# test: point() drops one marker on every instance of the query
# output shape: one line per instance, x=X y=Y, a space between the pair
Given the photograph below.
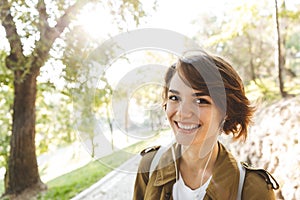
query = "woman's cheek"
x=170 y=109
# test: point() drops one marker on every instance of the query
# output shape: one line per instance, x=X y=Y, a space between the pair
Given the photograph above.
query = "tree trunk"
x=279 y=56
x=22 y=166
x=251 y=63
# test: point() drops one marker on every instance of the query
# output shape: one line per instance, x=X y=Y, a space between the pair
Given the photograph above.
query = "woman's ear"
x=165 y=106
x=223 y=122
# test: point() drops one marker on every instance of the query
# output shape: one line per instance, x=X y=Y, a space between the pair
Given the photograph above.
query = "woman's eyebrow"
x=197 y=94
x=174 y=91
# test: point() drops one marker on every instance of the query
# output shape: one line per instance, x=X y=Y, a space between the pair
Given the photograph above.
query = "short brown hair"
x=216 y=77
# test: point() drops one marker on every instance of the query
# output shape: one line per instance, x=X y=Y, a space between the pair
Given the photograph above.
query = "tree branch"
x=48 y=34
x=43 y=16
x=16 y=47
x=65 y=19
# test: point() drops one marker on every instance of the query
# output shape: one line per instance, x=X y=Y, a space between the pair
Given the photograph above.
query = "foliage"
x=262 y=90
x=6 y=101
x=34 y=21
x=52 y=107
x=88 y=91
x=244 y=33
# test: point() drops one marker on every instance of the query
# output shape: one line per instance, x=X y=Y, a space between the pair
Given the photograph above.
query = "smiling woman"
x=203 y=98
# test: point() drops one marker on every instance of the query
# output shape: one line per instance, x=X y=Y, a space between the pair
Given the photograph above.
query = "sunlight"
x=96 y=21
x=4 y=45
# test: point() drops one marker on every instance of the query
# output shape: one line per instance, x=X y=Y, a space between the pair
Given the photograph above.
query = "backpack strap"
x=149 y=149
x=156 y=159
x=161 y=150
x=270 y=180
x=241 y=181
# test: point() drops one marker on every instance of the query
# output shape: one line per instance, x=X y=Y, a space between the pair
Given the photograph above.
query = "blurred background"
x=52 y=41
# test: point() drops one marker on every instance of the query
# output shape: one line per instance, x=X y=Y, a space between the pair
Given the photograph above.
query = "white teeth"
x=188 y=127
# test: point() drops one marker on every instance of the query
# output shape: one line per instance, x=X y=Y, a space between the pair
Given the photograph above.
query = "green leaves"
x=245 y=33
x=6 y=102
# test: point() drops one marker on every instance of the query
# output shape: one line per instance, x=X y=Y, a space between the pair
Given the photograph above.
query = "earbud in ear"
x=165 y=106
x=222 y=123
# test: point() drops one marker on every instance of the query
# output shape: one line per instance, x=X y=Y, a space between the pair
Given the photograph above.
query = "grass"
x=71 y=184
x=68 y=185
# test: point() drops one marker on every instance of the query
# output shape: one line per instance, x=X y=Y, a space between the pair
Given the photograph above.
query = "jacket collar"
x=225 y=178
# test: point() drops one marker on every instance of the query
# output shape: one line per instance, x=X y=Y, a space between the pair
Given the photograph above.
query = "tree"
x=42 y=25
x=286 y=24
x=279 y=52
x=22 y=166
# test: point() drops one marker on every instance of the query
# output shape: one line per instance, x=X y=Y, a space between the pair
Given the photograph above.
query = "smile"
x=187 y=127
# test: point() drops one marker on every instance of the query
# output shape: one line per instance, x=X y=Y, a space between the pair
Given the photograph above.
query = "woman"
x=203 y=97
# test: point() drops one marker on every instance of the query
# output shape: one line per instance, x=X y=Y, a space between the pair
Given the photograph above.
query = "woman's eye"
x=173 y=98
x=202 y=101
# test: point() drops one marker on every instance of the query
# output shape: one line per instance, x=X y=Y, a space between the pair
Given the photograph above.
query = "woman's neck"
x=194 y=169
x=191 y=155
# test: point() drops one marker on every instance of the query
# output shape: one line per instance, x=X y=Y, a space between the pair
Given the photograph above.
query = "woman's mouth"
x=187 y=127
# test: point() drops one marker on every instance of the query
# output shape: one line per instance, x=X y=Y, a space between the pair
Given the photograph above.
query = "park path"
x=118 y=184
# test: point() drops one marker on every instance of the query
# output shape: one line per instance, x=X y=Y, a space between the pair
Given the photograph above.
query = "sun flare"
x=95 y=21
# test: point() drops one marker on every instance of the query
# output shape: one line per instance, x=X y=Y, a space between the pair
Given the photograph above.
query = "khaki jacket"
x=223 y=185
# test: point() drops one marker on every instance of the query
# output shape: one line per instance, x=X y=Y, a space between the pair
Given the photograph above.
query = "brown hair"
x=216 y=77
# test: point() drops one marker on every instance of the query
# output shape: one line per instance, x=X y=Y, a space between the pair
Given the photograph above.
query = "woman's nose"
x=186 y=109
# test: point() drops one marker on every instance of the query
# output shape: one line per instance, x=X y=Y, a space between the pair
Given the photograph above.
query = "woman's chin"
x=185 y=139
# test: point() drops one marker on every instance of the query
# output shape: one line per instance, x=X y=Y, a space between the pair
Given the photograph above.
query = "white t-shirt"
x=181 y=191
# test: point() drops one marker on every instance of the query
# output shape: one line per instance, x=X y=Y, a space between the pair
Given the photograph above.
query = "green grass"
x=71 y=184
x=68 y=185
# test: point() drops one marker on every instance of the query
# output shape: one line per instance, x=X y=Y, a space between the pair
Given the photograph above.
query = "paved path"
x=117 y=185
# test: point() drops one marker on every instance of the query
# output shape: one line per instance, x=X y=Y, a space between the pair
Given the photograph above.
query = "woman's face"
x=193 y=116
